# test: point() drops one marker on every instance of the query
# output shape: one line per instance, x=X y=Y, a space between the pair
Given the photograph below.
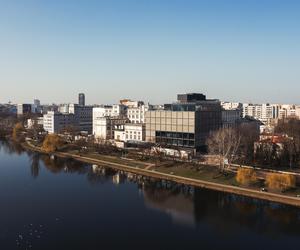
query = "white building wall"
x=263 y=112
x=137 y=114
x=55 y=122
x=135 y=132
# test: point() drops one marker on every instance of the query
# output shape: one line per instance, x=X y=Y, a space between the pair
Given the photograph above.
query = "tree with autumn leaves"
x=52 y=143
x=18 y=130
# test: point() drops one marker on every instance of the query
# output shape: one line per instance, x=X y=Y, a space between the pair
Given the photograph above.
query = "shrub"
x=280 y=182
x=246 y=176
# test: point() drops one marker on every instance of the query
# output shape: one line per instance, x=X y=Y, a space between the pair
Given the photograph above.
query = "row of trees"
x=237 y=145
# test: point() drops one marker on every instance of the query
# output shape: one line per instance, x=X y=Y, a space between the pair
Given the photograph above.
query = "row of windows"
x=167 y=134
x=170 y=121
x=136 y=116
x=133 y=137
x=175 y=142
x=135 y=111
x=133 y=132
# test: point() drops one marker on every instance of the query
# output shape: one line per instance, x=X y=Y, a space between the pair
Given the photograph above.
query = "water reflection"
x=226 y=213
x=9 y=147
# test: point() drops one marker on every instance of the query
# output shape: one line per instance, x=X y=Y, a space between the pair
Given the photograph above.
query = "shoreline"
x=271 y=197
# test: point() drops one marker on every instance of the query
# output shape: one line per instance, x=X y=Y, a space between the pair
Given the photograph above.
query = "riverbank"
x=141 y=168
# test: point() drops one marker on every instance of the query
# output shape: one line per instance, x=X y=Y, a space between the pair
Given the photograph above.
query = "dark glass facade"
x=175 y=138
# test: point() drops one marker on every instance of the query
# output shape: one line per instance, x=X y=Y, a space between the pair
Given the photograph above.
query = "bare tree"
x=225 y=143
x=291 y=150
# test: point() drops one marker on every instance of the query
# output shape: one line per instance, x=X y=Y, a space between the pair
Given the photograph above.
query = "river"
x=64 y=204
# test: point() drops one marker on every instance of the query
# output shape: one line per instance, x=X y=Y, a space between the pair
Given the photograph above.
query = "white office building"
x=54 y=122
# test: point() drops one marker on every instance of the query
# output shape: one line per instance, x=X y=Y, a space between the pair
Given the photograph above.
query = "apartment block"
x=263 y=112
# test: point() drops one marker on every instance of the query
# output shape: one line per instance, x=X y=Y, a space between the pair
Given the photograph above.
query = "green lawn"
x=205 y=173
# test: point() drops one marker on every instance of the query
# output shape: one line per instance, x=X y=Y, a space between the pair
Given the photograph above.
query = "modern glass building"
x=184 y=124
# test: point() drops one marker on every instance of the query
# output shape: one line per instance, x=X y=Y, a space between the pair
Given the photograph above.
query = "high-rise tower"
x=81 y=99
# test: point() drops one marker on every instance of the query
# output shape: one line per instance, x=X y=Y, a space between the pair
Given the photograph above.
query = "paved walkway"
x=183 y=180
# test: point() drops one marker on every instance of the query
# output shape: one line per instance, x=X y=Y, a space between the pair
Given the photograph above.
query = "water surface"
x=64 y=204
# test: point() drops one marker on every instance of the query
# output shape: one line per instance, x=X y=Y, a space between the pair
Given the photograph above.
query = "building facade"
x=135 y=132
x=23 y=109
x=137 y=114
x=184 y=124
x=54 y=122
x=81 y=99
x=263 y=112
x=83 y=117
x=104 y=127
x=231 y=117
x=232 y=105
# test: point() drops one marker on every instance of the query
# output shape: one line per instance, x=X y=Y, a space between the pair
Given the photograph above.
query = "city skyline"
x=233 y=51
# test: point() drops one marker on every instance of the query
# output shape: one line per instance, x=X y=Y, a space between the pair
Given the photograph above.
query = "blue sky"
x=149 y=49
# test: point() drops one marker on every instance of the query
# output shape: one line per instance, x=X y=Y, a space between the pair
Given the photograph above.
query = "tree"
x=35 y=131
x=291 y=128
x=291 y=151
x=246 y=176
x=81 y=143
x=225 y=143
x=52 y=143
x=17 y=132
x=249 y=133
x=280 y=182
x=70 y=130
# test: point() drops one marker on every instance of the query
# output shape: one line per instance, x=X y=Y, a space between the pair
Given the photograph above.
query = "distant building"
x=115 y=110
x=39 y=121
x=190 y=97
x=54 y=122
x=263 y=112
x=64 y=108
x=104 y=127
x=137 y=114
x=231 y=117
x=36 y=107
x=131 y=104
x=232 y=105
x=186 y=123
x=297 y=111
x=83 y=117
x=81 y=99
x=288 y=111
x=46 y=108
x=23 y=109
